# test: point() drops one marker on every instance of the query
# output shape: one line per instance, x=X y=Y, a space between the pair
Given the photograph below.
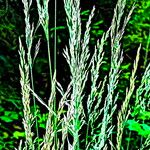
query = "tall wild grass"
x=79 y=121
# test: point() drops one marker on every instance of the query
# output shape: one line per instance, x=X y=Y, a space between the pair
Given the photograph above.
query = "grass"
x=76 y=112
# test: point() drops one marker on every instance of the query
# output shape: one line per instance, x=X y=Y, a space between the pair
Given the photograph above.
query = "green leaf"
x=95 y=27
x=58 y=28
x=145 y=115
x=141 y=129
x=146 y=130
x=98 y=23
x=2 y=109
x=18 y=134
x=133 y=125
x=126 y=66
x=5 y=135
x=146 y=127
x=85 y=13
x=129 y=139
x=9 y=116
x=6 y=118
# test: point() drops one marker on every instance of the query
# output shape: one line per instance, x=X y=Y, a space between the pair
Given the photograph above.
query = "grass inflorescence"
x=79 y=121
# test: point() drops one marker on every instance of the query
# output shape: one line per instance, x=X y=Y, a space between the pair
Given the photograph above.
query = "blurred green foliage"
x=141 y=129
x=139 y=25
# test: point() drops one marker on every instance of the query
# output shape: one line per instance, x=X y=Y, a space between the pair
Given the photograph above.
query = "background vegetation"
x=12 y=26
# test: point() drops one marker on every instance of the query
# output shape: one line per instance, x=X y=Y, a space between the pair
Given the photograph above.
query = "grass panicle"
x=123 y=114
x=25 y=83
x=94 y=112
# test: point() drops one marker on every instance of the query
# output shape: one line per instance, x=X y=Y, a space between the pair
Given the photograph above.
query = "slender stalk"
x=55 y=54
x=35 y=108
x=49 y=60
x=128 y=144
x=147 y=50
x=141 y=140
x=55 y=35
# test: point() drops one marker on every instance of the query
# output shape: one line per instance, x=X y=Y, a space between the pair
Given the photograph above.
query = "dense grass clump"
x=94 y=119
